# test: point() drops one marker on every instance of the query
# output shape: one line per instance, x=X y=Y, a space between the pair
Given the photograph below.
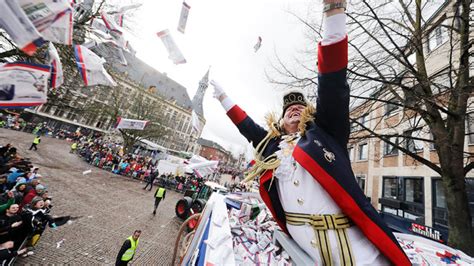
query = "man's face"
x=136 y=235
x=292 y=116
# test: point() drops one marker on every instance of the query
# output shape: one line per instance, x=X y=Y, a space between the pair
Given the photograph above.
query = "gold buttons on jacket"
x=300 y=201
x=296 y=182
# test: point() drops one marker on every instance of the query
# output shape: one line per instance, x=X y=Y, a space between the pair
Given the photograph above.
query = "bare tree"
x=114 y=102
x=396 y=48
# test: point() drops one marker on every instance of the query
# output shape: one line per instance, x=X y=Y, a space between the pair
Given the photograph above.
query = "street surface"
x=111 y=207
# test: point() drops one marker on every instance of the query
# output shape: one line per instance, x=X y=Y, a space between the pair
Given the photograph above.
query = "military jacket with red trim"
x=329 y=132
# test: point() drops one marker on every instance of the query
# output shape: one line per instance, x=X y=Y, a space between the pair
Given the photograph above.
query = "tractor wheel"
x=198 y=205
x=193 y=224
x=182 y=207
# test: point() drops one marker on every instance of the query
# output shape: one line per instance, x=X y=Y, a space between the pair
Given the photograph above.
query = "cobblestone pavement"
x=111 y=207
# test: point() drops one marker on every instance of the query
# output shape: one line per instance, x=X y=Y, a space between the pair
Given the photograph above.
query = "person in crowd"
x=38 y=191
x=73 y=147
x=128 y=249
x=160 y=194
x=151 y=179
x=11 y=226
x=19 y=192
x=36 y=218
x=7 y=252
x=36 y=142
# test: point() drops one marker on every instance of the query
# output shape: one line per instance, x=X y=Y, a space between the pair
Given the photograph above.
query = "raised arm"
x=332 y=107
x=253 y=132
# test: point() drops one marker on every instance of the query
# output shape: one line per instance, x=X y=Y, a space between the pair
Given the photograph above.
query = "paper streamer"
x=183 y=18
x=174 y=54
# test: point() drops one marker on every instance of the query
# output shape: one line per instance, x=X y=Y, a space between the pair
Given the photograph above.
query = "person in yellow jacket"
x=35 y=143
x=159 y=195
x=73 y=147
x=128 y=249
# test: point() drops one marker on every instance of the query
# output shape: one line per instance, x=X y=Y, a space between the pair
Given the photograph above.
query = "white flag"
x=91 y=67
x=57 y=77
x=21 y=30
x=110 y=23
x=61 y=30
x=197 y=127
x=129 y=7
x=183 y=18
x=125 y=123
x=45 y=12
x=23 y=84
x=173 y=51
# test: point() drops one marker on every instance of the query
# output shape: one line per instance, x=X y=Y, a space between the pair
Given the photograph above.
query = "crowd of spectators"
x=110 y=156
x=41 y=129
x=25 y=205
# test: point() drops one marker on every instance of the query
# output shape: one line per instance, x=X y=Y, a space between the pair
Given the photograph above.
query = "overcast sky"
x=222 y=34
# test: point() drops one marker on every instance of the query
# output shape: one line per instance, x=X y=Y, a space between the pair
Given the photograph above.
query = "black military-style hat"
x=292 y=98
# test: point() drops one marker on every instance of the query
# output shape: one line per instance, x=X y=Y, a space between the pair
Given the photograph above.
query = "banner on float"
x=183 y=18
x=174 y=54
x=57 y=77
x=124 y=123
x=23 y=84
x=91 y=67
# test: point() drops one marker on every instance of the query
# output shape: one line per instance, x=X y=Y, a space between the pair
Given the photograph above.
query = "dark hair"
x=138 y=231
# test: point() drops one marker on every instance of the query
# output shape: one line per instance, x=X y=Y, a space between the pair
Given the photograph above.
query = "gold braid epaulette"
x=272 y=162
x=264 y=164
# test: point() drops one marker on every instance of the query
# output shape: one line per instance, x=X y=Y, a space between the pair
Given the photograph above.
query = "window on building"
x=364 y=120
x=350 y=151
x=470 y=127
x=389 y=149
x=390 y=187
x=363 y=151
x=440 y=212
x=437 y=37
x=411 y=144
x=361 y=181
x=408 y=195
x=414 y=190
x=354 y=127
x=46 y=109
x=391 y=107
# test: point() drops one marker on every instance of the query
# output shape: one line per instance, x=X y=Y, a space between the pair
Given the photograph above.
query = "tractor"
x=193 y=202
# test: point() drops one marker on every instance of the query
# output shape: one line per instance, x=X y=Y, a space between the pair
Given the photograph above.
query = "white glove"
x=218 y=91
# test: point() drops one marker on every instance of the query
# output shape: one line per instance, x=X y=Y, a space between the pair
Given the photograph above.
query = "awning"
x=149 y=145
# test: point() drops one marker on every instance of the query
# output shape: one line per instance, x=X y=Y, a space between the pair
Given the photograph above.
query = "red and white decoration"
x=91 y=67
x=23 y=84
x=57 y=77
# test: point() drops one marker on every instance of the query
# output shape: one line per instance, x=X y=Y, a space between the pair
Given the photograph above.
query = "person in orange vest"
x=128 y=249
x=159 y=195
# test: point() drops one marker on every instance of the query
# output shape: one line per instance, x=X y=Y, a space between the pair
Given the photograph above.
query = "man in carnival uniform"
x=305 y=173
